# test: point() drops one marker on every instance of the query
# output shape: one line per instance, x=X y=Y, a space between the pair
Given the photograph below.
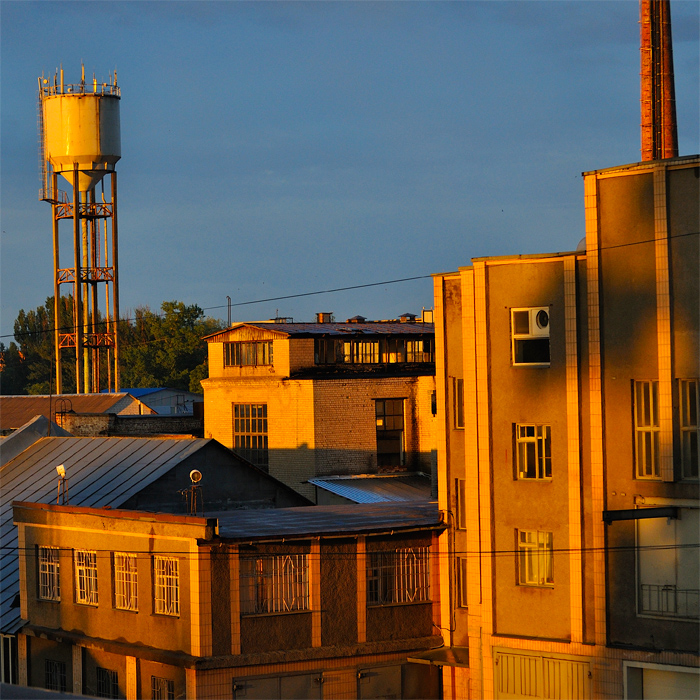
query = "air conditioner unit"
x=539 y=322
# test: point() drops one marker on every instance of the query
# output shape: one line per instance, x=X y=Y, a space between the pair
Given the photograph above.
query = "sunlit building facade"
x=567 y=388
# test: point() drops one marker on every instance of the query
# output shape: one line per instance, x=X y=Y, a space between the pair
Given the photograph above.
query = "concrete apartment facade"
x=303 y=400
x=311 y=602
x=567 y=387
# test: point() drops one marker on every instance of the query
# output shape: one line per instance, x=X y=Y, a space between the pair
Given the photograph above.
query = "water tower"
x=80 y=140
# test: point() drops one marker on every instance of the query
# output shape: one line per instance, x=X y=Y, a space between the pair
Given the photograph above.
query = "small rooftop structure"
x=373 y=488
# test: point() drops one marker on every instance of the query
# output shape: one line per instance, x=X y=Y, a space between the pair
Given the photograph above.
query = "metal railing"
x=669 y=601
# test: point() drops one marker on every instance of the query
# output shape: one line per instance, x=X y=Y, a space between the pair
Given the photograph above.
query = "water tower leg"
x=115 y=282
x=56 y=293
x=77 y=290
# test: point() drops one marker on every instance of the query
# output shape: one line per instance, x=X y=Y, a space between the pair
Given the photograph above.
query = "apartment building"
x=302 y=602
x=567 y=388
x=304 y=400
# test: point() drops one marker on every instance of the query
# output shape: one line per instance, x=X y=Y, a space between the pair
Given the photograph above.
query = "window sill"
x=546 y=586
x=275 y=614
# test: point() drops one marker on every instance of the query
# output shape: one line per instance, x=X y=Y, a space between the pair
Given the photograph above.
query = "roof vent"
x=427 y=316
x=357 y=319
x=407 y=318
x=324 y=317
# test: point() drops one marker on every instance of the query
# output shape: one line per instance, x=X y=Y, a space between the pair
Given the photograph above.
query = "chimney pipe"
x=658 y=96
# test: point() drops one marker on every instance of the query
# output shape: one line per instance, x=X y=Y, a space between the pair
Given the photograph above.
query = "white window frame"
x=166 y=586
x=125 y=581
x=533 y=442
x=398 y=576
x=274 y=584
x=538 y=329
x=535 y=558
x=49 y=573
x=689 y=408
x=85 y=561
x=647 y=430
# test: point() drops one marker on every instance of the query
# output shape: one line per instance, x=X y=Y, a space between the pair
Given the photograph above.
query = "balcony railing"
x=669 y=601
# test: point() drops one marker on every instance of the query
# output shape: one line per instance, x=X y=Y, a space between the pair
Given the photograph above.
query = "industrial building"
x=568 y=389
x=326 y=601
x=307 y=400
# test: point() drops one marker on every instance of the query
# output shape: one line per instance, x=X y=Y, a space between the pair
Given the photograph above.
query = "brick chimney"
x=658 y=95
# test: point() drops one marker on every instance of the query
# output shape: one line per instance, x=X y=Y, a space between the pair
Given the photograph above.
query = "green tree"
x=166 y=349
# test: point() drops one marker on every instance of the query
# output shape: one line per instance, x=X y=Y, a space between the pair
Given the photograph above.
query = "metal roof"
x=100 y=471
x=335 y=329
x=15 y=411
x=326 y=520
x=377 y=488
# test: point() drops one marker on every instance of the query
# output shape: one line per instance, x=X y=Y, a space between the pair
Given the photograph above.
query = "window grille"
x=250 y=432
x=49 y=569
x=275 y=584
x=533 y=451
x=690 y=431
x=646 y=425
x=125 y=581
x=162 y=688
x=55 y=675
x=107 y=683
x=400 y=576
x=166 y=589
x=85 y=577
x=535 y=558
x=250 y=354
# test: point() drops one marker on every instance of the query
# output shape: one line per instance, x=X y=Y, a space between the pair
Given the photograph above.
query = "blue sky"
x=272 y=149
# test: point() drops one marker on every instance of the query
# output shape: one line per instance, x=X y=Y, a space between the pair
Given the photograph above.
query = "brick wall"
x=111 y=425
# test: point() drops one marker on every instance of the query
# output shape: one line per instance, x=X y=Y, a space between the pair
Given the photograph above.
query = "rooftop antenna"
x=62 y=493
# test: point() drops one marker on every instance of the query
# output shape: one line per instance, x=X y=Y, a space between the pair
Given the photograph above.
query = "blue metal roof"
x=377 y=488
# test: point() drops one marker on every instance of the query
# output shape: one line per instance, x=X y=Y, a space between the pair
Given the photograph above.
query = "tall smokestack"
x=658 y=98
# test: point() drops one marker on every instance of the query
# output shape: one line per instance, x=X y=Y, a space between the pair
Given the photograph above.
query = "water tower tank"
x=83 y=128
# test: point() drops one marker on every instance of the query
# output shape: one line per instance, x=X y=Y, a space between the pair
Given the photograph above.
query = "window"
x=107 y=683
x=400 y=576
x=668 y=564
x=458 y=402
x=250 y=432
x=361 y=351
x=646 y=428
x=125 y=581
x=530 y=336
x=166 y=585
x=85 y=577
x=248 y=354
x=533 y=451
x=389 y=420
x=327 y=351
x=55 y=675
x=462 y=582
x=162 y=688
x=460 y=504
x=535 y=558
x=689 y=427
x=419 y=350
x=49 y=582
x=275 y=584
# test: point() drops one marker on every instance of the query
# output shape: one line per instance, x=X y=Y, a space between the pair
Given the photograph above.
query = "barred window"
x=534 y=451
x=107 y=683
x=250 y=432
x=55 y=675
x=162 y=688
x=535 y=558
x=400 y=576
x=49 y=569
x=85 y=577
x=125 y=581
x=166 y=585
x=275 y=584
x=646 y=428
x=250 y=354
x=690 y=429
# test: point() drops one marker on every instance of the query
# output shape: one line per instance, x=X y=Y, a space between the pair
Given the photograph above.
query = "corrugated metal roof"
x=100 y=471
x=377 y=488
x=326 y=520
x=336 y=329
x=15 y=411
